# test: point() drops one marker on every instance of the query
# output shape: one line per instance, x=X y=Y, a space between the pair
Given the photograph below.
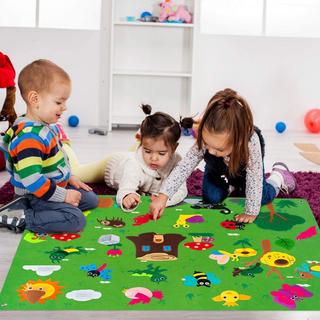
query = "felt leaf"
x=310 y=232
x=285 y=243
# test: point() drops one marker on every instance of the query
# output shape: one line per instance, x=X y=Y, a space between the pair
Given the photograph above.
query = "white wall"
x=278 y=76
x=78 y=52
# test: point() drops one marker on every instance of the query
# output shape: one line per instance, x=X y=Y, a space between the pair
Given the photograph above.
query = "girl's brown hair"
x=227 y=112
x=160 y=125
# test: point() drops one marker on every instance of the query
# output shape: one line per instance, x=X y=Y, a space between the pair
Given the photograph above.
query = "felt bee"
x=309 y=271
x=200 y=279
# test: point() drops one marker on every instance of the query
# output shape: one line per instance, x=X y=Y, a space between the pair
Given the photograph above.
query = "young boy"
x=52 y=200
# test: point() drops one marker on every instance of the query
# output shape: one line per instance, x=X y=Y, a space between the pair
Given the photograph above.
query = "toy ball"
x=312 y=120
x=73 y=121
x=145 y=14
x=280 y=127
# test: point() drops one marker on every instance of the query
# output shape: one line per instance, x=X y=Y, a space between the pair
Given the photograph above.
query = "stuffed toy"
x=174 y=13
x=7 y=75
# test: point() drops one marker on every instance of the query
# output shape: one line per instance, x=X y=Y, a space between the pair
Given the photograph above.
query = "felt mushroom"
x=198 y=244
x=65 y=236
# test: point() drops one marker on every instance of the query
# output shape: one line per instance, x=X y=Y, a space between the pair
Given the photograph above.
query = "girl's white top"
x=128 y=173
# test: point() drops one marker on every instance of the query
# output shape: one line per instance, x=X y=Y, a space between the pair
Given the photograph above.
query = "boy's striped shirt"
x=36 y=160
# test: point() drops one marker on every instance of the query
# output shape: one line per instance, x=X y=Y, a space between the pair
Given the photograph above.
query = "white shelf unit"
x=149 y=63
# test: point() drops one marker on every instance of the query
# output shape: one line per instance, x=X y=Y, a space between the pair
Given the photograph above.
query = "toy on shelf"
x=312 y=120
x=146 y=16
x=174 y=13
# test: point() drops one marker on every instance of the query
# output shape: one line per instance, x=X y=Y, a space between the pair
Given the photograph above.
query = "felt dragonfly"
x=93 y=271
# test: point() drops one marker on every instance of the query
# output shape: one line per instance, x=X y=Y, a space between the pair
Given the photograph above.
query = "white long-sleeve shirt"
x=128 y=173
x=254 y=174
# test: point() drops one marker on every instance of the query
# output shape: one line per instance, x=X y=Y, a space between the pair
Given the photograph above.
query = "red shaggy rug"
x=308 y=187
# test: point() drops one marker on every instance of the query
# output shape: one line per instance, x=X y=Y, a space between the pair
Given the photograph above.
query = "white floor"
x=279 y=147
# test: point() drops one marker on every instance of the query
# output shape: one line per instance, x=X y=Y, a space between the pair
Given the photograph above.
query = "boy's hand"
x=73 y=197
x=76 y=183
x=158 y=205
x=246 y=218
x=130 y=201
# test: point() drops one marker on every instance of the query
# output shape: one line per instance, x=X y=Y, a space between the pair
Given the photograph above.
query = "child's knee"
x=91 y=201
x=213 y=194
x=78 y=222
x=212 y=198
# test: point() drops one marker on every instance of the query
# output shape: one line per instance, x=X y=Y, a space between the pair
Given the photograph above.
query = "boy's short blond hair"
x=39 y=75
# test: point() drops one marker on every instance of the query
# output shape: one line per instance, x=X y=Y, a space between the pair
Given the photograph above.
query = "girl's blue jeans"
x=215 y=194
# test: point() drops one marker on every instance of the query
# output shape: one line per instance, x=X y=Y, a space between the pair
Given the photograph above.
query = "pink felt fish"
x=310 y=232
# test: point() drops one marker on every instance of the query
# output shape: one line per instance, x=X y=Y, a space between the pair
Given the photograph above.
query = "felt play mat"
x=195 y=257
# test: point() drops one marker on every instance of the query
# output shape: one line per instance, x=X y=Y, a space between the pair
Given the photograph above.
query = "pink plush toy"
x=172 y=12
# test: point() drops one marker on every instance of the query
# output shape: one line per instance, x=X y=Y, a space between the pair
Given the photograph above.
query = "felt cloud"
x=42 y=270
x=83 y=295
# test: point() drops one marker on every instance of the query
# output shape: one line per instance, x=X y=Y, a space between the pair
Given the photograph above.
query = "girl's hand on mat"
x=158 y=204
x=246 y=218
x=78 y=184
x=130 y=201
x=73 y=197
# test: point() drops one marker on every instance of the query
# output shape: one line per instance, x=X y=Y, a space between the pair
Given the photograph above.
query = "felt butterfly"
x=288 y=295
x=222 y=257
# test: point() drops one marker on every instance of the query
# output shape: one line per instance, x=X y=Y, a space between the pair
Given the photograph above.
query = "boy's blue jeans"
x=57 y=217
x=214 y=194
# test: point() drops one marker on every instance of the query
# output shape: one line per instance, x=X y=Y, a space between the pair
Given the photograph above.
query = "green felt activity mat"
x=194 y=257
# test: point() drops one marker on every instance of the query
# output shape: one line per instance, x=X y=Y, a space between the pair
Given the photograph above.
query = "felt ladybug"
x=232 y=225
